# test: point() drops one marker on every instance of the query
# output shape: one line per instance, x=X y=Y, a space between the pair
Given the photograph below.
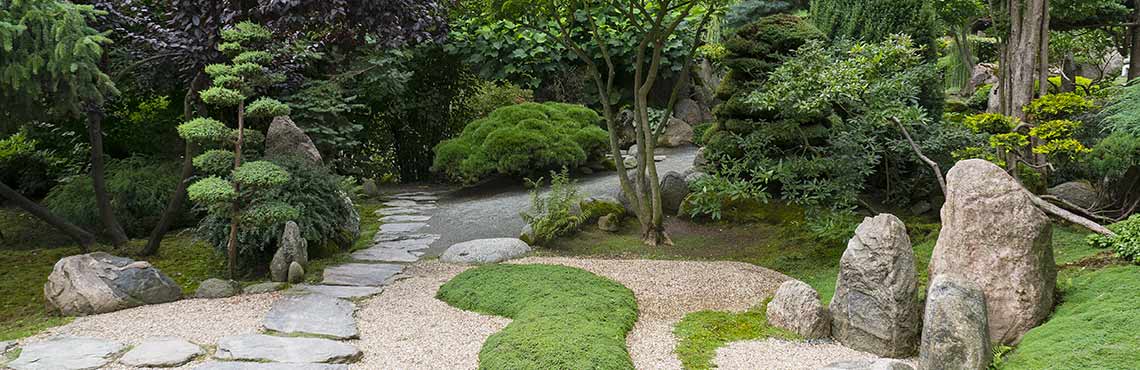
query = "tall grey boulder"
x=291 y=247
x=796 y=307
x=286 y=139
x=994 y=234
x=674 y=189
x=955 y=334
x=875 y=308
x=98 y=282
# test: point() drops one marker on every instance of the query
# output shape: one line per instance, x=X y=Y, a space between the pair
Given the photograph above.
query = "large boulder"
x=994 y=234
x=954 y=334
x=291 y=247
x=674 y=189
x=875 y=308
x=485 y=251
x=796 y=307
x=67 y=353
x=677 y=133
x=285 y=139
x=692 y=112
x=1079 y=193
x=98 y=282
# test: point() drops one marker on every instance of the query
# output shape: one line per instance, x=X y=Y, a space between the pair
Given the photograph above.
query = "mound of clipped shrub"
x=522 y=140
x=139 y=187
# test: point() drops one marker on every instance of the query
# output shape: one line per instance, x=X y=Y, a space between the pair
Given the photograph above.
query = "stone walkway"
x=306 y=329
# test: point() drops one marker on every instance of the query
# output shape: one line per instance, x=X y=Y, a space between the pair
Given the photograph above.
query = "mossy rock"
x=596 y=207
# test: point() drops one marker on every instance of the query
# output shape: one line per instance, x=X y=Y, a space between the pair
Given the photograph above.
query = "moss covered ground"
x=564 y=317
x=701 y=333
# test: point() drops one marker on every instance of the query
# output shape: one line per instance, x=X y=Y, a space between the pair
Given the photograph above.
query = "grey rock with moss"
x=296 y=273
x=875 y=308
x=610 y=223
x=291 y=247
x=162 y=352
x=796 y=307
x=955 y=335
x=98 y=282
x=481 y=251
x=67 y=353
x=218 y=288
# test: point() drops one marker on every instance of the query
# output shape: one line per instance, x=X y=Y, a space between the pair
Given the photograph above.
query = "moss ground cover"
x=701 y=333
x=564 y=317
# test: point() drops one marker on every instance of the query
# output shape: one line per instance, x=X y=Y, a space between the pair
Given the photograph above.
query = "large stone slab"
x=402 y=228
x=339 y=291
x=405 y=240
x=361 y=274
x=314 y=314
x=161 y=352
x=485 y=251
x=98 y=282
x=67 y=353
x=393 y=211
x=416 y=197
x=994 y=234
x=955 y=334
x=268 y=348
x=404 y=218
x=402 y=203
x=382 y=254
x=875 y=308
x=263 y=366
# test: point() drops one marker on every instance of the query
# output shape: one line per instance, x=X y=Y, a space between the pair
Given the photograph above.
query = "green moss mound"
x=564 y=317
x=1095 y=327
x=522 y=140
x=701 y=333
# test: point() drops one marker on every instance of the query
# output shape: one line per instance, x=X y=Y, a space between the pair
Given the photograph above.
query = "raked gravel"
x=775 y=354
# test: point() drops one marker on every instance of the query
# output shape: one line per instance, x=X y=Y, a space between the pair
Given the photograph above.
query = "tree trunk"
x=1134 y=36
x=99 y=183
x=174 y=205
x=85 y=239
x=1021 y=57
x=231 y=243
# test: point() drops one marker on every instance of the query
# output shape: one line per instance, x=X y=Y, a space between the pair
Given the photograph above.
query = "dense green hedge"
x=522 y=140
x=139 y=190
x=564 y=317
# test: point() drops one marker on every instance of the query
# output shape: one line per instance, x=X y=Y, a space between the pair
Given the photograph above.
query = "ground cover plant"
x=701 y=333
x=564 y=317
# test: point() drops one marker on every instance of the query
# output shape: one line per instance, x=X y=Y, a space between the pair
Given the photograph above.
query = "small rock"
x=659 y=158
x=610 y=223
x=98 y=282
x=263 y=288
x=361 y=274
x=877 y=364
x=629 y=162
x=314 y=314
x=296 y=273
x=699 y=161
x=267 y=348
x=218 y=288
x=368 y=186
x=585 y=170
x=66 y=353
x=674 y=189
x=527 y=235
x=291 y=247
x=162 y=352
x=920 y=208
x=955 y=334
x=485 y=251
x=796 y=307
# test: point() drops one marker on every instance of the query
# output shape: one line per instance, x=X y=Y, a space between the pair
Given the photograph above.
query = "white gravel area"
x=407 y=328
x=776 y=354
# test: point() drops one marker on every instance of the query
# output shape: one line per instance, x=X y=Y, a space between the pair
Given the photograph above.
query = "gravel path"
x=775 y=354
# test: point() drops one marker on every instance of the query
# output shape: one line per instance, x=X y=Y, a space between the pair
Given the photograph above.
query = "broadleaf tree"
x=655 y=21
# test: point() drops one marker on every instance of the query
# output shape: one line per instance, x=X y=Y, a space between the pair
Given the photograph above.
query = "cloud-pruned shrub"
x=522 y=140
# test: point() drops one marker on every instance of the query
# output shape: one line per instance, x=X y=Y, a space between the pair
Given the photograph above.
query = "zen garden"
x=570 y=184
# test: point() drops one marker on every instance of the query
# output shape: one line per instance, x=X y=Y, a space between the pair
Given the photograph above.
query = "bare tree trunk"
x=231 y=243
x=98 y=181
x=85 y=239
x=174 y=205
x=1043 y=57
x=1021 y=57
x=1134 y=36
x=966 y=54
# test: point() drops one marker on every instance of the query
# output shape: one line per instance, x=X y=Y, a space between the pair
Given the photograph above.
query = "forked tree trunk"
x=231 y=242
x=1134 y=54
x=85 y=239
x=98 y=181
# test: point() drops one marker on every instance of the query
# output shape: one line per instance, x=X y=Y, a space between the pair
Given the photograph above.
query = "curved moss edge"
x=701 y=333
x=564 y=317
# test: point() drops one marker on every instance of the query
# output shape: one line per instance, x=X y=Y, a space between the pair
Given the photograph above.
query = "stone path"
x=309 y=328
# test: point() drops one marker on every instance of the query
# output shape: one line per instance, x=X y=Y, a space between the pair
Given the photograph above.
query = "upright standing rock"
x=291 y=247
x=875 y=308
x=286 y=139
x=674 y=189
x=955 y=335
x=994 y=234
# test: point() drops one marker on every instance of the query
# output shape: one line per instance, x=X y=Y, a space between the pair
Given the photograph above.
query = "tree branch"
x=933 y=165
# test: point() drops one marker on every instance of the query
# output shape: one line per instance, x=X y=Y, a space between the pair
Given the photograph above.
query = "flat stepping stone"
x=382 y=254
x=407 y=245
x=338 y=291
x=416 y=198
x=404 y=203
x=426 y=238
x=361 y=274
x=404 y=218
x=268 y=348
x=485 y=251
x=314 y=314
x=67 y=353
x=162 y=352
x=402 y=228
x=261 y=366
x=397 y=211
x=7 y=345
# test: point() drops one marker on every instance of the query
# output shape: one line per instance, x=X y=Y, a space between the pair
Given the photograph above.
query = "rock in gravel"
x=361 y=274
x=264 y=366
x=994 y=234
x=346 y=292
x=291 y=247
x=485 y=251
x=161 y=352
x=796 y=307
x=878 y=364
x=98 y=282
x=610 y=223
x=218 y=288
x=875 y=308
x=296 y=273
x=314 y=314
x=674 y=189
x=1079 y=193
x=263 y=288
x=65 y=353
x=285 y=139
x=268 y=348
x=404 y=218
x=955 y=334
x=382 y=254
